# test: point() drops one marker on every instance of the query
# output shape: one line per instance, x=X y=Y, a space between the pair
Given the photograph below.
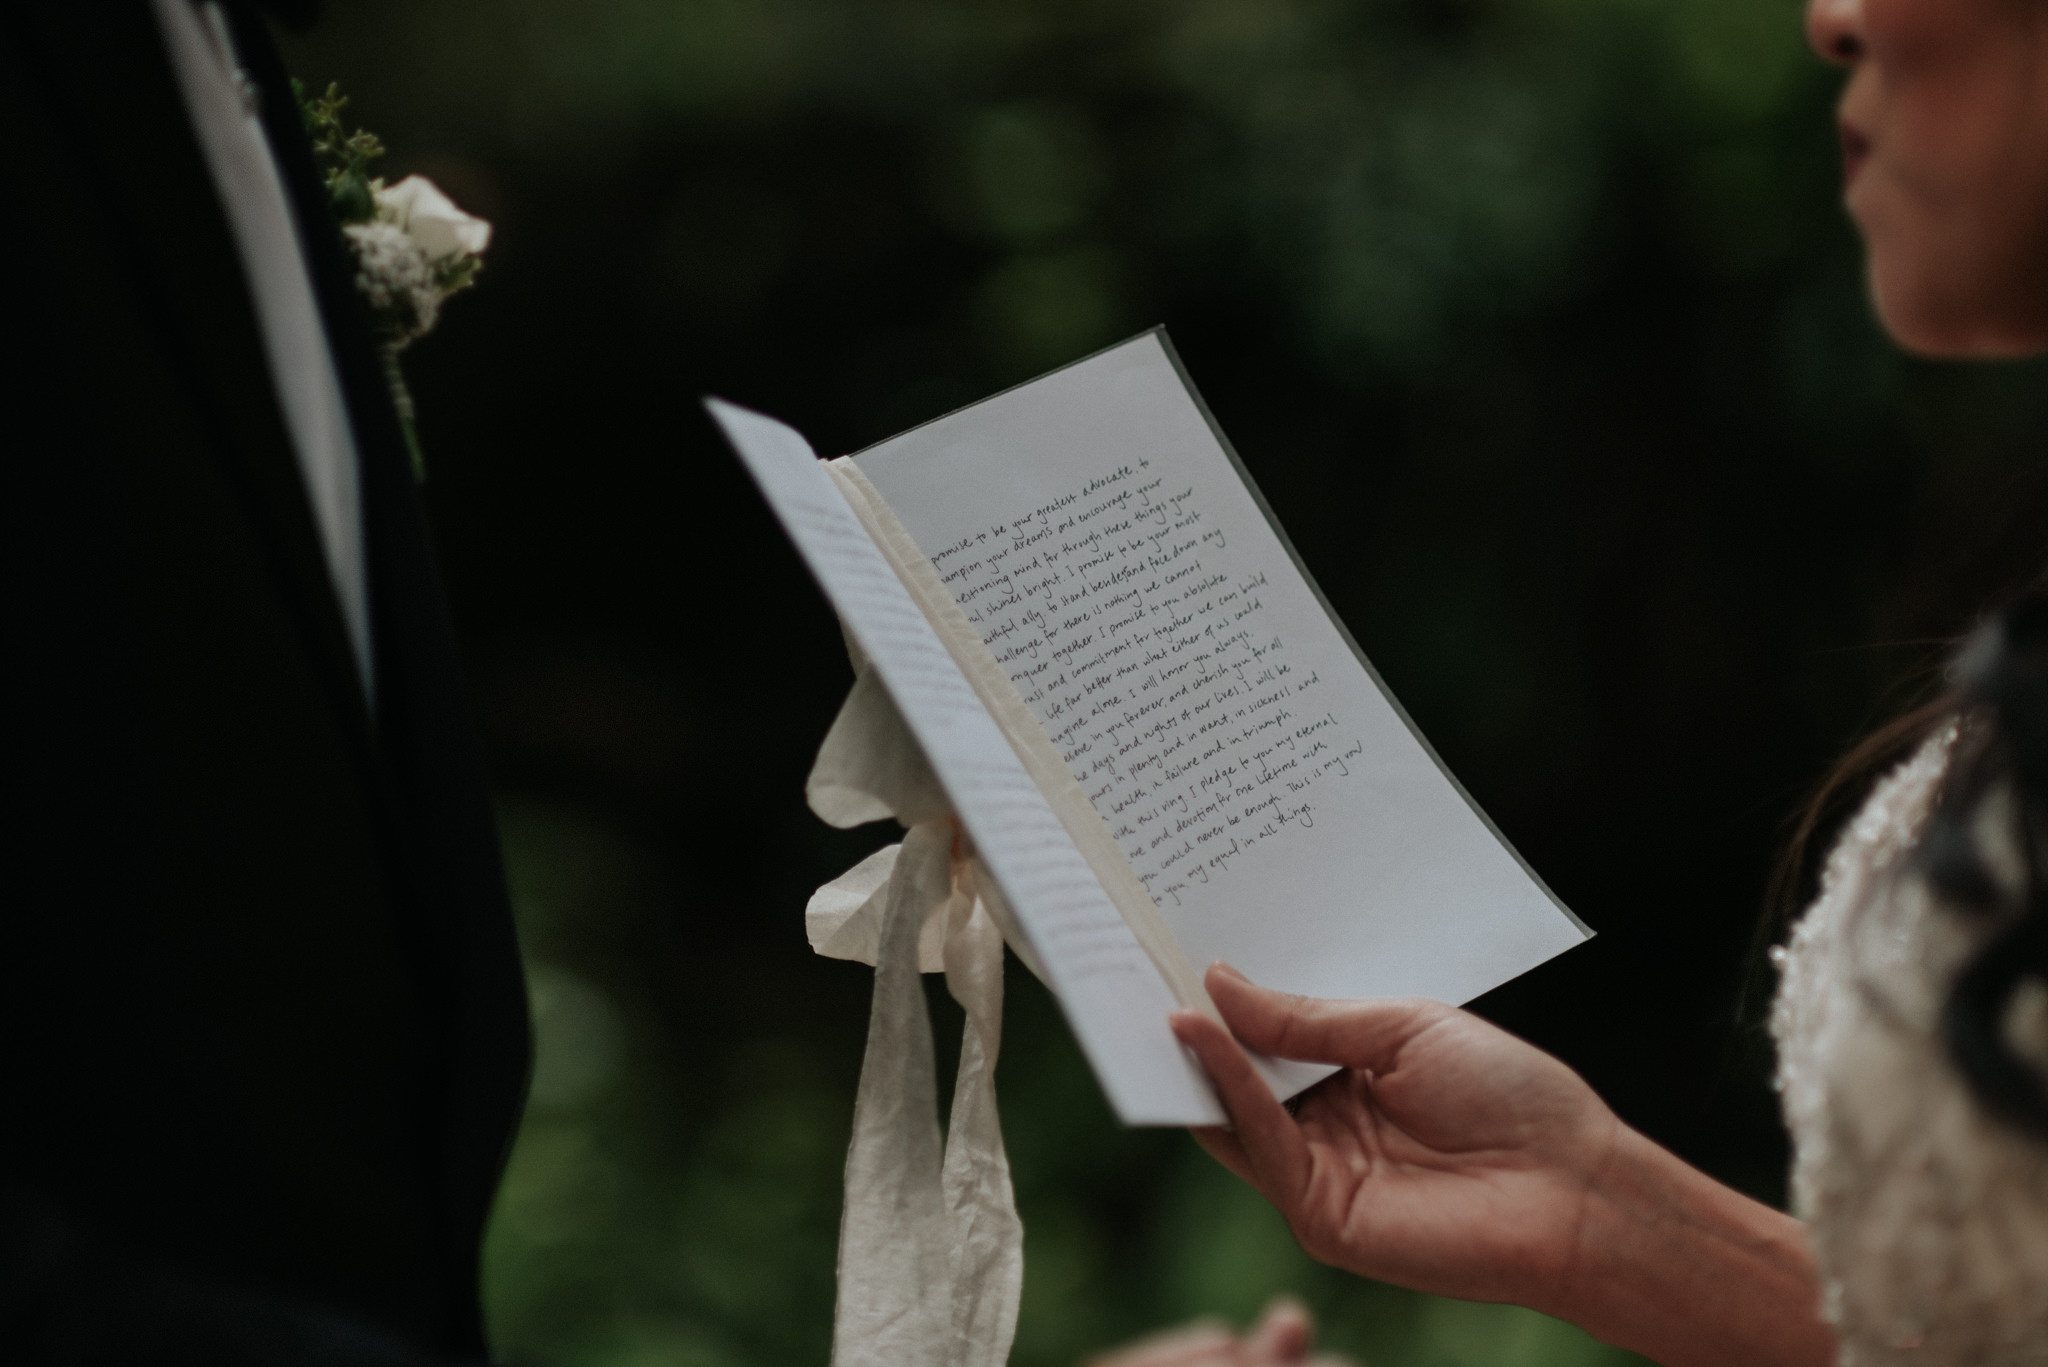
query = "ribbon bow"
x=931 y=1252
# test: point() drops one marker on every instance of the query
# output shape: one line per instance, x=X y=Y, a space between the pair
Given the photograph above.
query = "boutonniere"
x=413 y=248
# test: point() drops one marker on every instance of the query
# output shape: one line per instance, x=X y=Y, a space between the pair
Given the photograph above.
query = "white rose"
x=419 y=209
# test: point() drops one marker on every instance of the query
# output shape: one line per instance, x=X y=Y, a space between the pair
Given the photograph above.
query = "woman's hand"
x=1450 y=1157
x=1284 y=1337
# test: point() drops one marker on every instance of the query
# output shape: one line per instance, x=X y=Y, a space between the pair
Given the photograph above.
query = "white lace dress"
x=1929 y=1217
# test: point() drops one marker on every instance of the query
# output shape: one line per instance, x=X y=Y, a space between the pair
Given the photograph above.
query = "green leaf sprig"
x=344 y=155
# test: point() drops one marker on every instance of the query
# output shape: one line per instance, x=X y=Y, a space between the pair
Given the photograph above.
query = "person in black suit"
x=262 y=1006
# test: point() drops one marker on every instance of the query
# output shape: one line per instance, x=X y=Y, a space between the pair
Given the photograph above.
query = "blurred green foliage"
x=1540 y=326
x=1405 y=174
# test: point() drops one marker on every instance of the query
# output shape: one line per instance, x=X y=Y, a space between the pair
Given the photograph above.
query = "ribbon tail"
x=987 y=1238
x=895 y=1284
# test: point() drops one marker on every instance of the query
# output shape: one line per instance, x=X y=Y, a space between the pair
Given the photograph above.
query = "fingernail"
x=1221 y=967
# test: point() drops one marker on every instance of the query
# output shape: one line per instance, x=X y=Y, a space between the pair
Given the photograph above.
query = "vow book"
x=1165 y=747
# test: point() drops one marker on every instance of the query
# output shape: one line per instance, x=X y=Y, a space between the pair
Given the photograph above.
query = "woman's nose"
x=1835 y=29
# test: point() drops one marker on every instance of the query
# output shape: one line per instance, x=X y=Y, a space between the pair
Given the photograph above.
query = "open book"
x=1164 y=745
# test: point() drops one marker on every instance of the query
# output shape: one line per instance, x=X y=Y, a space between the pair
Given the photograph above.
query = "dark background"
x=1539 y=324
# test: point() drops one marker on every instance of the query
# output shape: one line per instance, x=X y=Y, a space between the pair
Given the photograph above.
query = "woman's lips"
x=1855 y=151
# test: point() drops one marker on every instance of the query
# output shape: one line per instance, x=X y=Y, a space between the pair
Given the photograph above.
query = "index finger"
x=1367 y=1036
x=1267 y=1135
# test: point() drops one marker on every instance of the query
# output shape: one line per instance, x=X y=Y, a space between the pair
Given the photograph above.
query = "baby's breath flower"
x=396 y=280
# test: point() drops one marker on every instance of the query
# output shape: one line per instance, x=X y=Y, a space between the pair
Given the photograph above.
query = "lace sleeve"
x=1929 y=1217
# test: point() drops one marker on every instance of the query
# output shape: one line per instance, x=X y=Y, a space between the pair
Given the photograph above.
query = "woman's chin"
x=1939 y=320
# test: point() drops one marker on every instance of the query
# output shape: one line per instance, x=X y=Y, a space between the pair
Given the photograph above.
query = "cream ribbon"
x=931 y=1252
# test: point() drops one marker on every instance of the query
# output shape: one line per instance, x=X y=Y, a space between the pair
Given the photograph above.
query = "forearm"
x=1690 y=1273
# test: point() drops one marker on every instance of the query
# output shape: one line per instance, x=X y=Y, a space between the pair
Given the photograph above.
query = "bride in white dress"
x=1912 y=1018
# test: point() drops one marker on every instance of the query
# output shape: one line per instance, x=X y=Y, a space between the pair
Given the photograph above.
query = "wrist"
x=1688 y=1272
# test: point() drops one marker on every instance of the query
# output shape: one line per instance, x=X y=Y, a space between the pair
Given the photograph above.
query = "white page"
x=1267 y=790
x=1114 y=998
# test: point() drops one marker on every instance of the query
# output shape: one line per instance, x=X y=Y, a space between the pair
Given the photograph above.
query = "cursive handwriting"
x=1137 y=638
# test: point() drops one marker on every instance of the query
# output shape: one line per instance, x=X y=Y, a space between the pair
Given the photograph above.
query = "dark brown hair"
x=2002 y=686
x=1846 y=783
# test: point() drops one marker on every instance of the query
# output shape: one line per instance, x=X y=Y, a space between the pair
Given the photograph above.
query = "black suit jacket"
x=259 y=997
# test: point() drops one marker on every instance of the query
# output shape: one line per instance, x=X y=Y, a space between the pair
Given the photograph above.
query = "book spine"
x=1012 y=715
